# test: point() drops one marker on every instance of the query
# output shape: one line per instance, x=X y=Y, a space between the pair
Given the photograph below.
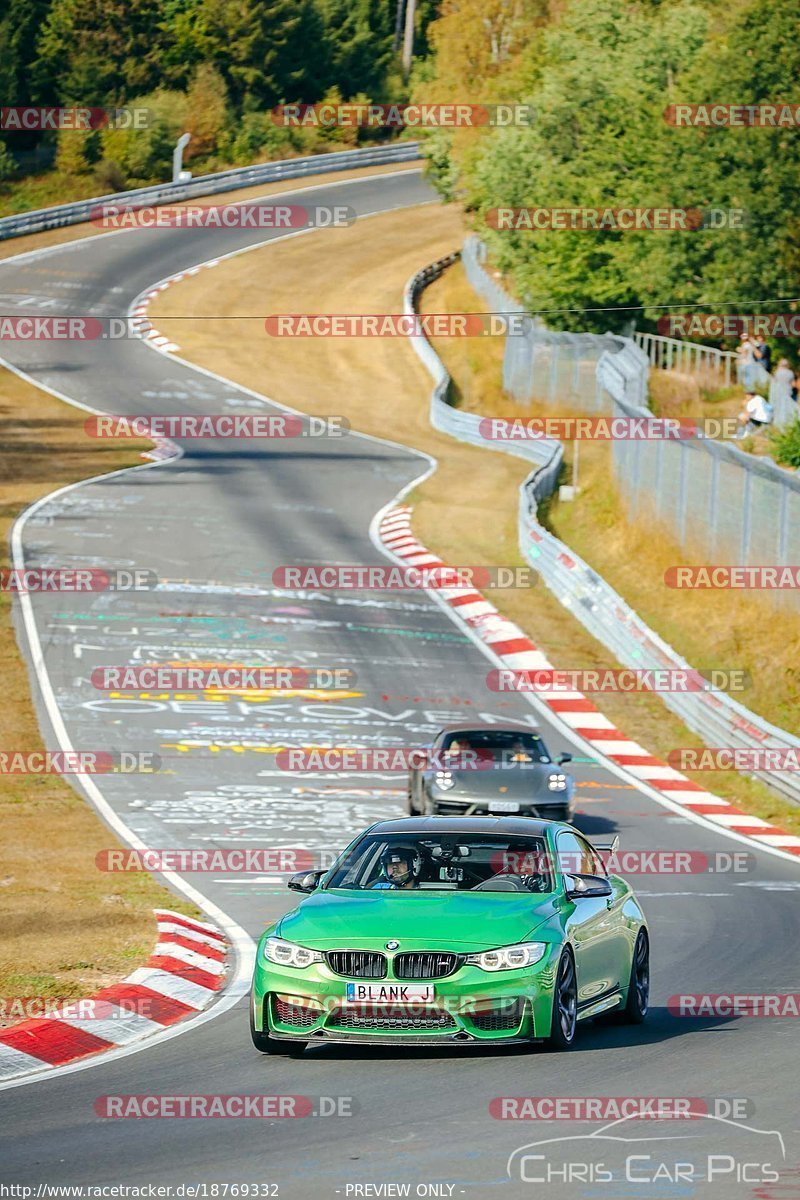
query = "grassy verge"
x=467 y=510
x=67 y=928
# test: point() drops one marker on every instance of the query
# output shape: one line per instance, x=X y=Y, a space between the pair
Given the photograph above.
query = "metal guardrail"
x=80 y=211
x=672 y=354
x=715 y=717
x=465 y=426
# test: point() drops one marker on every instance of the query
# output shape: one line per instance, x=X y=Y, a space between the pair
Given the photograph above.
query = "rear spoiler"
x=609 y=848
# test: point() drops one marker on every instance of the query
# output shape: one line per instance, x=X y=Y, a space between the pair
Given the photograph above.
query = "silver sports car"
x=481 y=769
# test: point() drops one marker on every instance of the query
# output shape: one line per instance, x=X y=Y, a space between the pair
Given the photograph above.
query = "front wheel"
x=270 y=1045
x=638 y=1000
x=565 y=1004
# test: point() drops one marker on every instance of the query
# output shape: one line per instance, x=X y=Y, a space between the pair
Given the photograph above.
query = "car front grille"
x=426 y=965
x=300 y=1016
x=357 y=964
x=376 y=1019
x=507 y=1016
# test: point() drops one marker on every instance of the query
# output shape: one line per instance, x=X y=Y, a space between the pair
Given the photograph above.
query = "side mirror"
x=305 y=881
x=564 y=758
x=587 y=885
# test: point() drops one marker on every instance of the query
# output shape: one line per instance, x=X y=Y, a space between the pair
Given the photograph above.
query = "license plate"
x=503 y=806
x=388 y=993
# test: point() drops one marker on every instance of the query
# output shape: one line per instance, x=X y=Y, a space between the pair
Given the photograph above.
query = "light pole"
x=178 y=174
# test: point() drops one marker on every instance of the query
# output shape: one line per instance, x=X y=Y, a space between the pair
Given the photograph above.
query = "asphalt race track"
x=213 y=525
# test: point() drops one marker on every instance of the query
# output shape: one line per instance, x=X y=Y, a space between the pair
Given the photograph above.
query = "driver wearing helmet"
x=400 y=868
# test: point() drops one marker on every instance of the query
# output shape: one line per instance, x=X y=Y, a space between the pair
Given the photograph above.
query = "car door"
x=619 y=937
x=594 y=925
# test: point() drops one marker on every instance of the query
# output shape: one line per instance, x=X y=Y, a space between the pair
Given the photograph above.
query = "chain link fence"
x=718 y=719
x=720 y=503
x=539 y=364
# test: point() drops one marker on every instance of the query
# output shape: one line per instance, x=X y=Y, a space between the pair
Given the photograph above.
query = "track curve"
x=213 y=526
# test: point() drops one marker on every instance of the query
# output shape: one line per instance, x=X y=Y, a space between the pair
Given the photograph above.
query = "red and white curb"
x=163 y=449
x=138 y=311
x=180 y=979
x=508 y=642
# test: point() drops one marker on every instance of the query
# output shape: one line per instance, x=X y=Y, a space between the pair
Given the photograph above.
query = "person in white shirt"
x=757 y=413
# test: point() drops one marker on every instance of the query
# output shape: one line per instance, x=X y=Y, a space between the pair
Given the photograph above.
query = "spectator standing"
x=782 y=393
x=763 y=356
x=746 y=361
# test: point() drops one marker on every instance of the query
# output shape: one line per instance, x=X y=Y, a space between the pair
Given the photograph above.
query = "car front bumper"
x=469 y=1007
x=553 y=807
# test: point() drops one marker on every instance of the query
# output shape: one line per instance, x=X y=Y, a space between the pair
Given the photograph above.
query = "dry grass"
x=67 y=928
x=467 y=511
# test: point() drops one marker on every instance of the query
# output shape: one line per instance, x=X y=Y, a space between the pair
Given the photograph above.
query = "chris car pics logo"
x=715 y=1153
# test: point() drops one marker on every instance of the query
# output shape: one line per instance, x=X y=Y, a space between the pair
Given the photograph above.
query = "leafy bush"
x=75 y=151
x=145 y=155
x=206 y=112
x=258 y=138
x=110 y=177
x=785 y=444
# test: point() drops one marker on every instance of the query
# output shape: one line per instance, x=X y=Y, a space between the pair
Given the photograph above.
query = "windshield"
x=454 y=862
x=502 y=746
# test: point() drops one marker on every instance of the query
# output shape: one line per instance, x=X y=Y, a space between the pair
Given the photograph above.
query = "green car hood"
x=422 y=919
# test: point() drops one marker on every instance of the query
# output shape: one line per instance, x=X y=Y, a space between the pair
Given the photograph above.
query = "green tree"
x=268 y=51
x=359 y=34
x=74 y=151
x=97 y=54
x=19 y=31
x=754 y=170
x=143 y=156
x=207 y=112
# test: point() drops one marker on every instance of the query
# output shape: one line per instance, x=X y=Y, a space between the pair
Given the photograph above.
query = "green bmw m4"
x=452 y=930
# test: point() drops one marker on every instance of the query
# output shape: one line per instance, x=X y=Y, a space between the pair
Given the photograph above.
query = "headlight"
x=557 y=783
x=287 y=954
x=444 y=780
x=509 y=958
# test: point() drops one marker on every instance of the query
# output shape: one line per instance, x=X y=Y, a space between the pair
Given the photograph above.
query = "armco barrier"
x=206 y=185
x=714 y=716
x=465 y=426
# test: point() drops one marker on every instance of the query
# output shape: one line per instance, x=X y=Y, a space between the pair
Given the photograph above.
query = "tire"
x=564 y=1021
x=638 y=1000
x=270 y=1045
